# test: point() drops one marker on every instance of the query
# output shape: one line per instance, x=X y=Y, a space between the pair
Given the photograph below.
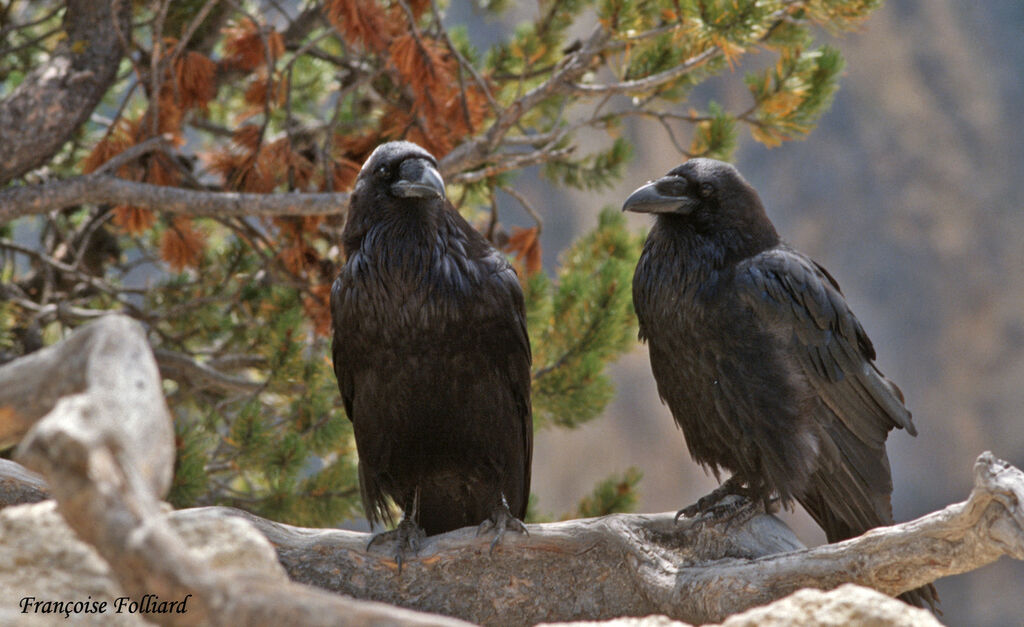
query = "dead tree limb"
x=25 y=200
x=581 y=569
x=642 y=564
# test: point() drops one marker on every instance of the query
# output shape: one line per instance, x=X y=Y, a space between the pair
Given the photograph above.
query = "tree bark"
x=640 y=564
x=584 y=569
x=54 y=99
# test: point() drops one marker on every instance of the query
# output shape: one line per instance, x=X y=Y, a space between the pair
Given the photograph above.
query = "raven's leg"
x=407 y=534
x=500 y=521
x=712 y=503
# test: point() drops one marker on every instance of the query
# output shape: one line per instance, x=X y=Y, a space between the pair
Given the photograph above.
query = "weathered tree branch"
x=48 y=106
x=16 y=202
x=647 y=564
x=582 y=569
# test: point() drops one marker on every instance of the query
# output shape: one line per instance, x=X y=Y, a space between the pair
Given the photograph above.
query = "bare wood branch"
x=527 y=205
x=107 y=415
x=58 y=96
x=505 y=163
x=644 y=564
x=193 y=25
x=16 y=202
x=463 y=62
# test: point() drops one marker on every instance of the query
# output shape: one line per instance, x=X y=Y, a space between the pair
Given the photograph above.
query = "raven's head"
x=697 y=185
x=399 y=183
x=709 y=195
x=399 y=170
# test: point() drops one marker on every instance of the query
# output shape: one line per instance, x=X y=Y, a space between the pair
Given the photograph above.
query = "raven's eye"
x=382 y=170
x=706 y=189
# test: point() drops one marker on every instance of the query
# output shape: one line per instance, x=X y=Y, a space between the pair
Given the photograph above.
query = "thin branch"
x=472 y=153
x=463 y=62
x=158 y=142
x=512 y=162
x=73 y=271
x=192 y=27
x=672 y=135
x=527 y=205
x=157 y=60
x=7 y=52
x=181 y=367
x=10 y=28
x=649 y=82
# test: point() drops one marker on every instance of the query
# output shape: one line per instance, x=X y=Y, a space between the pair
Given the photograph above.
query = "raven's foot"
x=717 y=504
x=500 y=521
x=407 y=536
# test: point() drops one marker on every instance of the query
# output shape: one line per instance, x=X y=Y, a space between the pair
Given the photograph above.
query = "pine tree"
x=254 y=98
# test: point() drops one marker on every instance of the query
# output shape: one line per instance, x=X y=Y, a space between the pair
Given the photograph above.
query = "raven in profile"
x=759 y=358
x=431 y=354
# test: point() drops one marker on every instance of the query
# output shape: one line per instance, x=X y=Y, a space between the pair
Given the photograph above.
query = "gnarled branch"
x=640 y=564
x=89 y=443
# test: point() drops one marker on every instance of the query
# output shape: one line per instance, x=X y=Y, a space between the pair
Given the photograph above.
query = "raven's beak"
x=653 y=197
x=418 y=179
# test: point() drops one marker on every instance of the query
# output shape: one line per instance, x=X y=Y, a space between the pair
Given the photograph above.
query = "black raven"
x=756 y=353
x=431 y=354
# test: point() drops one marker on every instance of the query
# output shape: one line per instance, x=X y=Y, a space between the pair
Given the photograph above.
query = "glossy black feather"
x=431 y=354
x=764 y=367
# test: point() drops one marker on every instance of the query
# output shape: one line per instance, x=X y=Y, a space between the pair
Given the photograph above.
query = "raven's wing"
x=521 y=379
x=345 y=348
x=509 y=312
x=801 y=303
x=339 y=323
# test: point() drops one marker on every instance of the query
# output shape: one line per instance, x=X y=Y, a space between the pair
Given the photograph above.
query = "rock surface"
x=846 y=605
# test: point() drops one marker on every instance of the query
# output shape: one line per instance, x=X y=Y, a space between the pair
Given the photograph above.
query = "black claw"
x=711 y=506
x=500 y=521
x=688 y=512
x=407 y=536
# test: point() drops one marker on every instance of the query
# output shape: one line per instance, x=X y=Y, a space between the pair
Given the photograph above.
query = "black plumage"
x=757 y=355
x=431 y=354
